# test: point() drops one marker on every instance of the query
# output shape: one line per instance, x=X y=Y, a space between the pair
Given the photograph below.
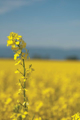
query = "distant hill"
x=43 y=53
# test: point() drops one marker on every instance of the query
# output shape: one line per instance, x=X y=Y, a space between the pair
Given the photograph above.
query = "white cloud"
x=8 y=5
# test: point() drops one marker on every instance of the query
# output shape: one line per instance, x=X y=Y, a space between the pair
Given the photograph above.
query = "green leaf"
x=30 y=66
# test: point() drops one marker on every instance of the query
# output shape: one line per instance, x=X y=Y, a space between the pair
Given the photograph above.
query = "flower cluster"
x=17 y=44
x=76 y=116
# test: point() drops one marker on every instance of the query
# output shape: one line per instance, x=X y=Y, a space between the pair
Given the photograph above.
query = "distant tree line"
x=36 y=56
x=72 y=58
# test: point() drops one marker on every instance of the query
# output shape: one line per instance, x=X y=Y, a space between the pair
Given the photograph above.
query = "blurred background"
x=51 y=28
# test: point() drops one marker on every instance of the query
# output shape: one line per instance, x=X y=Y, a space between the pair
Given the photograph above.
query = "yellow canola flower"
x=8 y=101
x=15 y=56
x=38 y=118
x=13 y=46
x=19 y=36
x=25 y=89
x=16 y=71
x=18 y=62
x=13 y=39
x=19 y=84
x=9 y=42
x=63 y=118
x=25 y=103
x=20 y=91
x=76 y=116
x=25 y=113
x=24 y=77
x=23 y=116
x=9 y=37
x=11 y=33
x=18 y=101
x=24 y=80
x=18 y=59
x=17 y=43
x=14 y=35
x=38 y=105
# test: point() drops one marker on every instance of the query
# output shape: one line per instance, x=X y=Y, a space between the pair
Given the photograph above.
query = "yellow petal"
x=17 y=43
x=20 y=36
x=8 y=100
x=25 y=89
x=7 y=45
x=18 y=62
x=15 y=56
x=9 y=42
x=25 y=113
x=16 y=71
x=11 y=33
x=9 y=37
x=24 y=80
x=23 y=116
x=18 y=101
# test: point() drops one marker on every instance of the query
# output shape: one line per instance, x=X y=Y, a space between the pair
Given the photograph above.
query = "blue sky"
x=42 y=23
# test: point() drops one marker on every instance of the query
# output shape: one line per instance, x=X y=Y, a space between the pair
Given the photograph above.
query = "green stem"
x=24 y=81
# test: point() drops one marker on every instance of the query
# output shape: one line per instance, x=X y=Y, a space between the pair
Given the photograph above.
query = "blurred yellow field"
x=53 y=89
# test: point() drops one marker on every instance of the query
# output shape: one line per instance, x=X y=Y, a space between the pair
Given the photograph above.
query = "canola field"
x=53 y=89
